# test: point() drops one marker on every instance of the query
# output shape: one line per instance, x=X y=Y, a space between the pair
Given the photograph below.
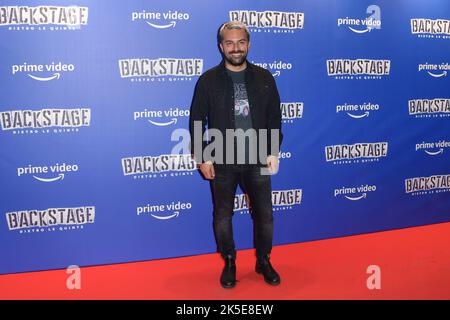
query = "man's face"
x=235 y=46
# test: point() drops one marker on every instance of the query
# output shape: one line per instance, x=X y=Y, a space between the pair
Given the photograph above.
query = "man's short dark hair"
x=232 y=25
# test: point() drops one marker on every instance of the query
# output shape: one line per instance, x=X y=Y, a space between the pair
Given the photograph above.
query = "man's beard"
x=237 y=62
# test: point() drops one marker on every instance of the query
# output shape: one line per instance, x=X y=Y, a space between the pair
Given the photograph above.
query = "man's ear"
x=221 y=47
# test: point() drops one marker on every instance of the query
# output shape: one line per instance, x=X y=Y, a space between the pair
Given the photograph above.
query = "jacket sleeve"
x=198 y=121
x=274 y=119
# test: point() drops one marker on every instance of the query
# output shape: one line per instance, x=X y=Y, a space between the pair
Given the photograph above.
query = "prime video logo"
x=426 y=146
x=161 y=118
x=361 y=26
x=355 y=193
x=34 y=71
x=435 y=70
x=160 y=20
x=49 y=173
x=164 y=211
x=357 y=111
x=275 y=67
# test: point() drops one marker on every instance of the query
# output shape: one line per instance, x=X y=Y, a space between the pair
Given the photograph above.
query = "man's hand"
x=207 y=169
x=272 y=164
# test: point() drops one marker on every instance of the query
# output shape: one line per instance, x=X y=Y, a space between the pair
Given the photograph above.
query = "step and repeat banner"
x=95 y=95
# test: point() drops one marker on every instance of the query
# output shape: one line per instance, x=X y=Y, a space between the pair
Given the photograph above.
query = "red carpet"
x=414 y=262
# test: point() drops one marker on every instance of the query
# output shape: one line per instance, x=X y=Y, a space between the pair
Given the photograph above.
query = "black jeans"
x=259 y=190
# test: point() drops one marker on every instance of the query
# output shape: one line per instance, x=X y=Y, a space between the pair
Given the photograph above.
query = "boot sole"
x=228 y=286
x=268 y=282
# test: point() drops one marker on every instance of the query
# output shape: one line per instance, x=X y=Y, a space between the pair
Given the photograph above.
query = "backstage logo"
x=430 y=28
x=357 y=111
x=276 y=67
x=269 y=21
x=361 y=26
x=429 y=108
x=51 y=173
x=435 y=70
x=160 y=20
x=281 y=200
x=161 y=118
x=164 y=211
x=53 y=219
x=43 y=18
x=42 y=72
x=162 y=166
x=433 y=148
x=355 y=193
x=161 y=69
x=45 y=120
x=291 y=111
x=356 y=153
x=427 y=185
x=365 y=69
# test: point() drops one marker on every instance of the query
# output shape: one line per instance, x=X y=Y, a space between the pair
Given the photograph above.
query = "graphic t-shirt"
x=242 y=116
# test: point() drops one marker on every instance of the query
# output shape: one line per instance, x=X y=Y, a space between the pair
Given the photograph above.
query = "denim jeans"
x=259 y=190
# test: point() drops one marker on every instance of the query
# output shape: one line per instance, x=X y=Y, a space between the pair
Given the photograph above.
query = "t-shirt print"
x=241 y=105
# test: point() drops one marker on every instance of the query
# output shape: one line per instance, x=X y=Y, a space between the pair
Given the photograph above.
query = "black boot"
x=264 y=267
x=228 y=277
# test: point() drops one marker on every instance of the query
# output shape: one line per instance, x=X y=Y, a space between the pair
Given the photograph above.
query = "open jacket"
x=213 y=105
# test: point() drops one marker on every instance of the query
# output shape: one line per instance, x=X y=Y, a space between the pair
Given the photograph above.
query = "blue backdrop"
x=366 y=145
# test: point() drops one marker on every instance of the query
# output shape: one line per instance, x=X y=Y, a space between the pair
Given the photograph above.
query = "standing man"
x=240 y=105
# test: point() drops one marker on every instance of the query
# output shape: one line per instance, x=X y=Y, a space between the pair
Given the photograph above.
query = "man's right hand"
x=207 y=169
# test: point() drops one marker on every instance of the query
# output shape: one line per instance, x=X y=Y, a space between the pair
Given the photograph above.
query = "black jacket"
x=213 y=105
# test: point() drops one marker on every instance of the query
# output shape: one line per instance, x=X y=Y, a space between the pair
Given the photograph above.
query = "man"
x=239 y=97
